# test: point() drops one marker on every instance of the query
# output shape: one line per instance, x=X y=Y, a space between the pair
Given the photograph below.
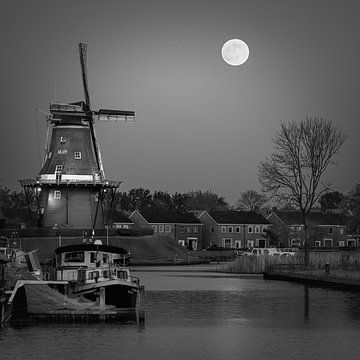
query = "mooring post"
x=102 y=303
x=141 y=304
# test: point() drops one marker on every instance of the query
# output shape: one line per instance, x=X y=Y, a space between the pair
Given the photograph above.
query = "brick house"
x=234 y=229
x=185 y=229
x=120 y=221
x=326 y=230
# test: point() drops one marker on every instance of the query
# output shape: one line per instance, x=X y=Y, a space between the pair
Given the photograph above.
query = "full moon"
x=235 y=52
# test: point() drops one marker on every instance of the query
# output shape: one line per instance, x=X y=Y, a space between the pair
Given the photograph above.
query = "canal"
x=194 y=313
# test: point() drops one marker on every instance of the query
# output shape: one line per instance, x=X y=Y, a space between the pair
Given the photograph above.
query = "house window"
x=227 y=242
x=250 y=229
x=341 y=243
x=230 y=229
x=161 y=228
x=57 y=194
x=298 y=228
x=264 y=228
x=342 y=231
x=351 y=242
x=195 y=229
x=181 y=242
x=77 y=155
x=223 y=229
x=182 y=229
x=188 y=229
x=58 y=169
x=291 y=228
x=257 y=229
x=167 y=228
x=212 y=229
x=154 y=228
x=331 y=230
x=62 y=139
x=317 y=243
x=237 y=229
x=328 y=242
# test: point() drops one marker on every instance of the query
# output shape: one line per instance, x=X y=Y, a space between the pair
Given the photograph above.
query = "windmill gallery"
x=71 y=186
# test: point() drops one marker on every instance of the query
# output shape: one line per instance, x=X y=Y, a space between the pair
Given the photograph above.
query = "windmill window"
x=62 y=139
x=77 y=155
x=57 y=194
x=58 y=168
x=62 y=152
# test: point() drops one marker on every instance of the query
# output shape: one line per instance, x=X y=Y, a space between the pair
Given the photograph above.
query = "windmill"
x=71 y=187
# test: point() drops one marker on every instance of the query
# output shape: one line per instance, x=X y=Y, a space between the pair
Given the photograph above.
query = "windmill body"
x=71 y=188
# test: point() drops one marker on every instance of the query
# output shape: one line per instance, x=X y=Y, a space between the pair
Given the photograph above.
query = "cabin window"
x=57 y=194
x=77 y=155
x=93 y=257
x=62 y=139
x=122 y=274
x=75 y=256
x=58 y=169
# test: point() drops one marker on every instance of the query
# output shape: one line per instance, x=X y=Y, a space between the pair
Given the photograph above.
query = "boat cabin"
x=91 y=263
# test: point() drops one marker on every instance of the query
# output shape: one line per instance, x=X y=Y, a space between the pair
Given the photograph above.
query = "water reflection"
x=208 y=316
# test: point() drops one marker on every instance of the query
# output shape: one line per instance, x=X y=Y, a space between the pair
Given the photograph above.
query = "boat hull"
x=118 y=294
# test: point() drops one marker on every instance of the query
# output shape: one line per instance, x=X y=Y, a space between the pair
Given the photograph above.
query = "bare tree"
x=251 y=200
x=302 y=152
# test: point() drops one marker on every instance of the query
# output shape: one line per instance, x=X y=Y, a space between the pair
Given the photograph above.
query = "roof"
x=119 y=217
x=314 y=218
x=172 y=218
x=237 y=217
x=91 y=247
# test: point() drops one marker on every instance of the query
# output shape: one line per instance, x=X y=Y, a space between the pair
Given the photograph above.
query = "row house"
x=120 y=221
x=326 y=229
x=234 y=229
x=185 y=229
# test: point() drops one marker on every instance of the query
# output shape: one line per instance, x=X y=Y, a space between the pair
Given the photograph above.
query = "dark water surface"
x=193 y=314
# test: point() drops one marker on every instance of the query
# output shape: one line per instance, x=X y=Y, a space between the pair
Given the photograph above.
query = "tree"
x=206 y=200
x=302 y=152
x=353 y=207
x=251 y=200
x=331 y=200
x=137 y=199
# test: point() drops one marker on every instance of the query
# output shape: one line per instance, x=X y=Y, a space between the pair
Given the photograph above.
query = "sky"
x=201 y=124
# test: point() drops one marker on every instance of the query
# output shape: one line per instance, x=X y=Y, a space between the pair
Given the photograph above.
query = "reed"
x=317 y=261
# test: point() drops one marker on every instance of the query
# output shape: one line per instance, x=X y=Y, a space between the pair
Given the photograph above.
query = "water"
x=193 y=314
